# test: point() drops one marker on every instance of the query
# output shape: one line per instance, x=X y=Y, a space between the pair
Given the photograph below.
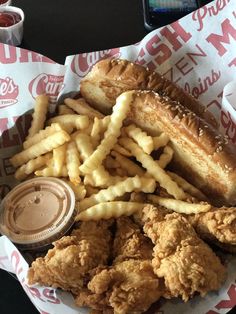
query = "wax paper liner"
x=197 y=52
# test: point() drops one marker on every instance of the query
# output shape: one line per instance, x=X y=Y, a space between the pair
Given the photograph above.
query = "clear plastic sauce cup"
x=37 y=212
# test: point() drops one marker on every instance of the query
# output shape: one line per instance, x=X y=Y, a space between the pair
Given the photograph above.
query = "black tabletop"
x=57 y=28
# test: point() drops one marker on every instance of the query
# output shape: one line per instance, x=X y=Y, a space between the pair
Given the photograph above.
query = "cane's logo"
x=46 y=84
x=9 y=92
x=81 y=64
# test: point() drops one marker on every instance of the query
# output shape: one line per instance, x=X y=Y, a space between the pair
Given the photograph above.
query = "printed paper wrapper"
x=197 y=52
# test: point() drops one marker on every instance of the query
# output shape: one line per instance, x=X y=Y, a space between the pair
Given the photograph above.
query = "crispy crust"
x=110 y=77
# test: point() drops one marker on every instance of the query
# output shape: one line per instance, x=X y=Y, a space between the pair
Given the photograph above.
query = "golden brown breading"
x=186 y=263
x=128 y=287
x=130 y=242
x=219 y=224
x=69 y=262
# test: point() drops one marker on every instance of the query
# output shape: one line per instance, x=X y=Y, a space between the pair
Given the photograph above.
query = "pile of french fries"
x=107 y=163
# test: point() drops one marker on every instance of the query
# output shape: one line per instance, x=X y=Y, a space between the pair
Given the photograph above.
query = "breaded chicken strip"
x=219 y=224
x=130 y=242
x=130 y=285
x=187 y=264
x=73 y=257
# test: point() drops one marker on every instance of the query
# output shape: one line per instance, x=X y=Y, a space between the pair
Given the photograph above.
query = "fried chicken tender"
x=187 y=264
x=73 y=257
x=130 y=285
x=130 y=242
x=217 y=225
x=127 y=287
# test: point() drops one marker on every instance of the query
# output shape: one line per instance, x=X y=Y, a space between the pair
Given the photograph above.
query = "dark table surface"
x=57 y=28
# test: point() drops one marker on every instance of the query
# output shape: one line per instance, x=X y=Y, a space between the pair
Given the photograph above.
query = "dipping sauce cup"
x=37 y=212
x=4 y=3
x=11 y=25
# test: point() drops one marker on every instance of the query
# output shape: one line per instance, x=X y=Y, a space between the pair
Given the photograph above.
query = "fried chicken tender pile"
x=73 y=257
x=129 y=285
x=129 y=273
x=187 y=264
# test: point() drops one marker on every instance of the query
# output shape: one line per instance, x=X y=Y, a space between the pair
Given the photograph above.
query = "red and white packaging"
x=198 y=52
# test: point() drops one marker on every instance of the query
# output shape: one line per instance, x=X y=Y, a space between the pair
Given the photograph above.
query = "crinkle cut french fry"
x=39 y=115
x=109 y=194
x=63 y=109
x=186 y=186
x=42 y=134
x=179 y=206
x=160 y=141
x=51 y=172
x=73 y=163
x=140 y=137
x=165 y=157
x=82 y=107
x=99 y=127
x=95 y=131
x=112 y=180
x=121 y=150
x=32 y=165
x=100 y=175
x=41 y=148
x=79 y=190
x=71 y=121
x=84 y=145
x=109 y=210
x=88 y=129
x=59 y=158
x=111 y=135
x=131 y=167
x=154 y=169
